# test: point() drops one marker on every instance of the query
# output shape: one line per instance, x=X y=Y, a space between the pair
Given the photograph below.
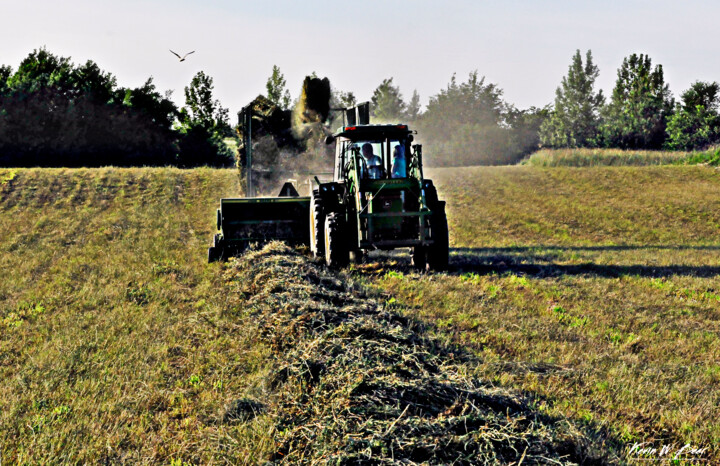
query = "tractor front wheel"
x=438 y=252
x=336 y=250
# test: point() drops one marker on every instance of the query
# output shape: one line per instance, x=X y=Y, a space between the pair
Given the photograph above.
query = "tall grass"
x=620 y=157
x=603 y=157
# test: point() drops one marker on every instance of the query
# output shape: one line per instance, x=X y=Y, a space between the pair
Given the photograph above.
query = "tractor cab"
x=382 y=151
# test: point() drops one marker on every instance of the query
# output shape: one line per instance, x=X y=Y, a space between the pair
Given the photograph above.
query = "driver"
x=374 y=162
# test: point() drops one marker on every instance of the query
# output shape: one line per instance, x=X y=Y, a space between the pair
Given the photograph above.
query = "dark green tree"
x=201 y=109
x=42 y=70
x=276 y=90
x=55 y=113
x=387 y=103
x=575 y=117
x=701 y=94
x=413 y=110
x=640 y=105
x=5 y=73
x=524 y=128
x=204 y=124
x=342 y=99
x=696 y=122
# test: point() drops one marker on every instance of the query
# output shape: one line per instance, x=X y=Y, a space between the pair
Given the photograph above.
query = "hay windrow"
x=354 y=383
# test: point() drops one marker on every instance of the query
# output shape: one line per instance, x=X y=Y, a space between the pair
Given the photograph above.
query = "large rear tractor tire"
x=336 y=249
x=438 y=253
x=317 y=225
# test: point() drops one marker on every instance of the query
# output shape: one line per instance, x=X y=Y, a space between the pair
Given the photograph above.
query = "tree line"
x=641 y=112
x=56 y=113
x=470 y=123
x=466 y=123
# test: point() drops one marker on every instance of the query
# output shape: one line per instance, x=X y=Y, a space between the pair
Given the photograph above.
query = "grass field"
x=594 y=291
x=115 y=342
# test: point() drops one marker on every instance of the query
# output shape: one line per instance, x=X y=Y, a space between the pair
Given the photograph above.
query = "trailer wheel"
x=438 y=252
x=336 y=250
x=357 y=256
x=213 y=255
x=317 y=225
x=419 y=258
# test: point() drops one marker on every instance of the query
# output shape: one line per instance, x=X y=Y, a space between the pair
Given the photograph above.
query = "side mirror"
x=329 y=139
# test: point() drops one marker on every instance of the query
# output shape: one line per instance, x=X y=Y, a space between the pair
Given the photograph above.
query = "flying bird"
x=183 y=57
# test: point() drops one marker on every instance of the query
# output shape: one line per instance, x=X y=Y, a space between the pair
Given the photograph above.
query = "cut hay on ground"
x=355 y=383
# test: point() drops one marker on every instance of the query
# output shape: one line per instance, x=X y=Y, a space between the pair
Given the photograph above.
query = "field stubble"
x=596 y=289
x=592 y=291
x=113 y=344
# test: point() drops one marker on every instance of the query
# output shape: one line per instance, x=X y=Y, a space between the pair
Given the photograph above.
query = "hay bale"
x=313 y=105
x=309 y=117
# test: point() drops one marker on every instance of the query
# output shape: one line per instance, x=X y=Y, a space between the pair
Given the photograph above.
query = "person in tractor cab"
x=399 y=166
x=374 y=162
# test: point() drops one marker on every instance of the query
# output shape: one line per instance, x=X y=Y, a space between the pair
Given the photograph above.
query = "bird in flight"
x=183 y=57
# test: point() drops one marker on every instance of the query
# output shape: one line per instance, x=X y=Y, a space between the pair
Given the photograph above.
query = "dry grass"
x=115 y=343
x=356 y=384
x=589 y=294
x=597 y=289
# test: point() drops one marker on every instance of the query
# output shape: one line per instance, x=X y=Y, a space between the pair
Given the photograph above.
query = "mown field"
x=593 y=291
x=115 y=340
x=597 y=289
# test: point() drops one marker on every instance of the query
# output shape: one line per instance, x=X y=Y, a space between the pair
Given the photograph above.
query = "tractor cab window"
x=398 y=164
x=379 y=158
x=373 y=157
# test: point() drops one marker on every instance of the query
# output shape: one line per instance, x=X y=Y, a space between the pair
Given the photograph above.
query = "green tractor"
x=378 y=199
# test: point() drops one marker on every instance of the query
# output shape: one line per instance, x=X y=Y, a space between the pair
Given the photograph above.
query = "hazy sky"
x=523 y=46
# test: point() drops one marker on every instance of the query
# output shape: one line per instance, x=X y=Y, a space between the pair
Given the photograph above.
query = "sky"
x=523 y=46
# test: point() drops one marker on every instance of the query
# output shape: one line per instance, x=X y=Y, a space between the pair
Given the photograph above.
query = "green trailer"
x=246 y=220
x=243 y=221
